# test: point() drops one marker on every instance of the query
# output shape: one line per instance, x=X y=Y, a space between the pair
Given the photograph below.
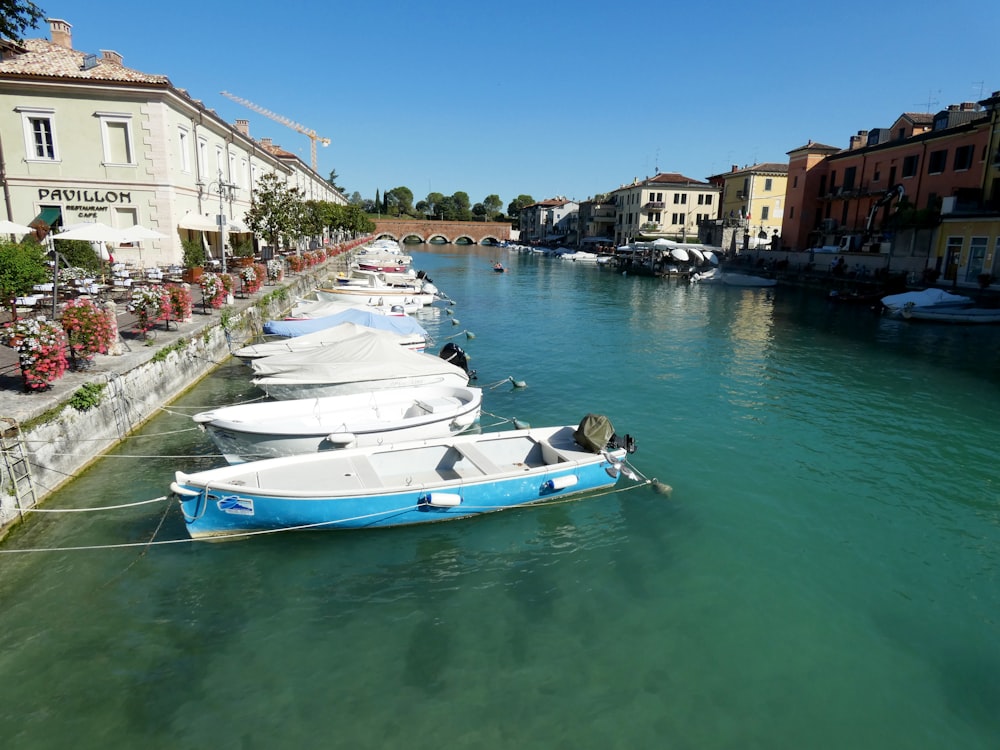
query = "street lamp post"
x=225 y=190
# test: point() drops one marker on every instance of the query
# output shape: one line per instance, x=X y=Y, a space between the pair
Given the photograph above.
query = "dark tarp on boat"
x=594 y=433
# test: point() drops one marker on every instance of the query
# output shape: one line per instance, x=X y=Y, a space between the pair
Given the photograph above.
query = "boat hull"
x=413 y=483
x=285 y=389
x=251 y=432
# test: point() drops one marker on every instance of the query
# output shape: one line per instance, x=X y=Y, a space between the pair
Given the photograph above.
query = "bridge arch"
x=464 y=239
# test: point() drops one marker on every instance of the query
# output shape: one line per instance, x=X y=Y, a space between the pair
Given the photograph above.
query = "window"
x=183 y=137
x=977 y=253
x=202 y=158
x=963 y=158
x=795 y=181
x=936 y=162
x=233 y=174
x=850 y=174
x=708 y=200
x=116 y=135
x=39 y=133
x=877 y=172
x=791 y=212
x=764 y=213
x=910 y=165
x=767 y=185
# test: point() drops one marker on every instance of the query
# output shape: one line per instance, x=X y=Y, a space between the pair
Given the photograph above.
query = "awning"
x=608 y=240
x=237 y=226
x=48 y=216
x=197 y=222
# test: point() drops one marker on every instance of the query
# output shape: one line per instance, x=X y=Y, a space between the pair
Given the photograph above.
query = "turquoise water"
x=823 y=575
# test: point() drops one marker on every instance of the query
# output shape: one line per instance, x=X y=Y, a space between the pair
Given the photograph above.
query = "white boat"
x=746 y=279
x=320 y=308
x=377 y=292
x=250 y=432
x=395 y=485
x=951 y=314
x=717 y=276
x=368 y=361
x=316 y=339
x=931 y=297
x=402 y=325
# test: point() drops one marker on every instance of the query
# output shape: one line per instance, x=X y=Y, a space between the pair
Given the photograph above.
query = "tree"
x=492 y=205
x=515 y=206
x=79 y=254
x=17 y=16
x=401 y=198
x=356 y=199
x=463 y=206
x=277 y=211
x=21 y=267
x=332 y=182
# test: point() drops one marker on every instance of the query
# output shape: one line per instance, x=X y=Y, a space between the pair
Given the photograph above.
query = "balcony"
x=654 y=205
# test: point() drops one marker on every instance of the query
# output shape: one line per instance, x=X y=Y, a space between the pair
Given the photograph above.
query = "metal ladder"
x=17 y=467
x=120 y=404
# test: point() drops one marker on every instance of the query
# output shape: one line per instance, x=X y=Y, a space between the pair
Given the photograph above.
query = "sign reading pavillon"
x=84 y=196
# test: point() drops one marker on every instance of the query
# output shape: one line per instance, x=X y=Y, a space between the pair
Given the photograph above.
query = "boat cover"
x=399 y=324
x=316 y=339
x=594 y=433
x=925 y=297
x=367 y=355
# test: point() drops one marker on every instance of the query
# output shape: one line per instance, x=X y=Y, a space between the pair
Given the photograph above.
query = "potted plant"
x=194 y=260
x=149 y=306
x=242 y=251
x=41 y=351
x=89 y=331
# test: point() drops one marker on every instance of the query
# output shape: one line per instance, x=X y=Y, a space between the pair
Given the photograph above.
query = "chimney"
x=109 y=55
x=968 y=106
x=61 y=32
x=736 y=168
x=243 y=126
x=265 y=142
x=855 y=142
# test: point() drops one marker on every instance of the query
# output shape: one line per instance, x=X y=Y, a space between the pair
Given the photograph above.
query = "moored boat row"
x=363 y=431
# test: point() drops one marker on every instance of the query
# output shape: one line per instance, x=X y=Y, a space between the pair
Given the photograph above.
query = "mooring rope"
x=302 y=527
x=95 y=510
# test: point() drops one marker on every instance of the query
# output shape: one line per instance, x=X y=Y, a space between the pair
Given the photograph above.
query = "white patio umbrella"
x=91 y=232
x=10 y=227
x=138 y=233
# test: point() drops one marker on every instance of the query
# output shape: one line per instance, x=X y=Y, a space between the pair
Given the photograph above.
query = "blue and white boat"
x=403 y=484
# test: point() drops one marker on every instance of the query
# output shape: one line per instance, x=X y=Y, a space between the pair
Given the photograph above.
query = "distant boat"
x=498 y=267
x=953 y=314
x=396 y=485
x=932 y=297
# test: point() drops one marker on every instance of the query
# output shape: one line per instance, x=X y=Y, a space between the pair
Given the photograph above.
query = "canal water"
x=824 y=573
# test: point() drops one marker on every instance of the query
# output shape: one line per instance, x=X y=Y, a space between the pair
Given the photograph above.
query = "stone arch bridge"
x=455 y=232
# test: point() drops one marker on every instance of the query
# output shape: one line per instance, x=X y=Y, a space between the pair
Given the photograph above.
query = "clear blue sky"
x=551 y=98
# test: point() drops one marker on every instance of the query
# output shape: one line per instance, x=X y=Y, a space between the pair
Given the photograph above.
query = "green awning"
x=48 y=216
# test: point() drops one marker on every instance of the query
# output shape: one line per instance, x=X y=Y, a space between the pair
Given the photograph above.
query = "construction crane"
x=311 y=134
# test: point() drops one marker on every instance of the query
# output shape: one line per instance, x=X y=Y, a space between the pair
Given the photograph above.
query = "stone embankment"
x=57 y=439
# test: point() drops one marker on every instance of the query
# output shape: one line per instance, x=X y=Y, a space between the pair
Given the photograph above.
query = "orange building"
x=844 y=198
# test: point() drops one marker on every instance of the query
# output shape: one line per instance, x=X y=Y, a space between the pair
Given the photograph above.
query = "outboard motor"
x=454 y=354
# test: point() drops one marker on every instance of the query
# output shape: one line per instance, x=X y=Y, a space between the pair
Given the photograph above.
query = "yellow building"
x=754 y=198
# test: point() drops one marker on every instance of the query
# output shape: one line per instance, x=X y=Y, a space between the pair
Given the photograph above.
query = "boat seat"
x=436 y=405
x=365 y=472
x=479 y=458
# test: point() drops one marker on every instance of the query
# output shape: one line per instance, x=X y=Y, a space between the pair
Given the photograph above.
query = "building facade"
x=903 y=191
x=85 y=138
x=553 y=220
x=668 y=205
x=753 y=199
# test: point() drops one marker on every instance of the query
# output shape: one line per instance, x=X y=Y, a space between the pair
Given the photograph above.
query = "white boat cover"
x=401 y=324
x=679 y=253
x=368 y=355
x=924 y=298
x=323 y=337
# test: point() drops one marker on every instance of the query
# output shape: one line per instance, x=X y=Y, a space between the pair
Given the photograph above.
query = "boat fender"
x=442 y=499
x=341 y=439
x=183 y=491
x=560 y=483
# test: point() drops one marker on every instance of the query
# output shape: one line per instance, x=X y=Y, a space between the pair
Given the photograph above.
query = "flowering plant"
x=253 y=277
x=149 y=306
x=275 y=269
x=296 y=263
x=179 y=302
x=89 y=328
x=41 y=350
x=215 y=287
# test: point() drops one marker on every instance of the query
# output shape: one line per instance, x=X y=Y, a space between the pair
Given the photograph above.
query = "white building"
x=668 y=205
x=85 y=138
